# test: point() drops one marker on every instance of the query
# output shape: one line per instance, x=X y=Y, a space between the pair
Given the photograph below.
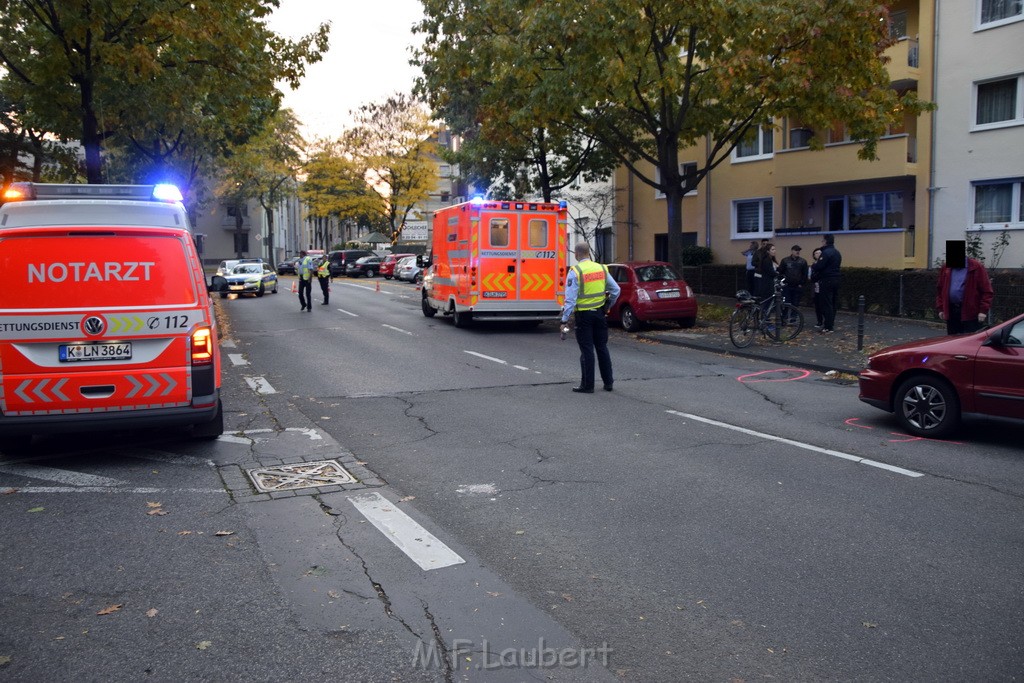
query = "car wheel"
x=687 y=323
x=262 y=290
x=462 y=319
x=630 y=323
x=428 y=310
x=927 y=406
x=418 y=279
x=387 y=277
x=212 y=429
x=371 y=272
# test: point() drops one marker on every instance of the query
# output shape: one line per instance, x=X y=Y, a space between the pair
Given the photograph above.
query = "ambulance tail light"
x=472 y=276
x=202 y=346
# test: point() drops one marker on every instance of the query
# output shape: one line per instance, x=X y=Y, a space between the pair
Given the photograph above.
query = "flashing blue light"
x=477 y=199
x=563 y=204
x=165 y=192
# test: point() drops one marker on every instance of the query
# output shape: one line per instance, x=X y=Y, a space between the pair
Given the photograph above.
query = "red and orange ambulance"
x=105 y=315
x=497 y=260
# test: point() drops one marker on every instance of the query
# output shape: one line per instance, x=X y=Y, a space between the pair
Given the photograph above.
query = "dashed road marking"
x=397 y=329
x=260 y=385
x=237 y=359
x=342 y=310
x=420 y=545
x=490 y=358
x=103 y=489
x=61 y=476
x=799 y=444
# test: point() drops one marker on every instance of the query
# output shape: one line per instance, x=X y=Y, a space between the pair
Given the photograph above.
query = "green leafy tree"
x=392 y=142
x=646 y=79
x=161 y=76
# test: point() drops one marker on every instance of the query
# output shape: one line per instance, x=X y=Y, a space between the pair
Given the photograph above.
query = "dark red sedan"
x=387 y=266
x=651 y=290
x=930 y=384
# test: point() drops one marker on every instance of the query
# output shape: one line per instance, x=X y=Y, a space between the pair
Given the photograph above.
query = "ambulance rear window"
x=499 y=232
x=94 y=271
x=538 y=233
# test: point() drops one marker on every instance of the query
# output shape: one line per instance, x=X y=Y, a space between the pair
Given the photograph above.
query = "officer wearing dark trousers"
x=585 y=295
x=305 y=272
x=323 y=274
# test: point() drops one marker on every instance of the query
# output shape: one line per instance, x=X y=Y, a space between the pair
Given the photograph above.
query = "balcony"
x=897 y=157
x=904 y=64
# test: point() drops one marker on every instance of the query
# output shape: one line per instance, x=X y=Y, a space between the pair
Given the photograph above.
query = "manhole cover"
x=303 y=475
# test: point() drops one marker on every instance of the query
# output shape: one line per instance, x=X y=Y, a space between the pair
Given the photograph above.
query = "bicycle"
x=773 y=318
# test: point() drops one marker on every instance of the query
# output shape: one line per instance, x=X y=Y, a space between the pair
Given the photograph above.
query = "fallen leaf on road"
x=520 y=532
x=152 y=612
x=184 y=533
x=4 y=659
x=36 y=509
x=204 y=644
x=868 y=624
x=224 y=533
x=154 y=505
x=568 y=598
x=406 y=499
x=110 y=610
x=9 y=491
x=493 y=595
x=334 y=594
x=158 y=512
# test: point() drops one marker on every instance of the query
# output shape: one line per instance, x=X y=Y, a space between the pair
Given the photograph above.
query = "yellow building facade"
x=776 y=187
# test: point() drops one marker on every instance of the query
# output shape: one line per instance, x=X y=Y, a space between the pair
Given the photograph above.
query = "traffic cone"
x=295 y=287
x=378 y=285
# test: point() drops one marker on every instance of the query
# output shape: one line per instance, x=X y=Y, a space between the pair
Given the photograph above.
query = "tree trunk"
x=91 y=138
x=674 y=205
x=270 y=235
x=238 y=229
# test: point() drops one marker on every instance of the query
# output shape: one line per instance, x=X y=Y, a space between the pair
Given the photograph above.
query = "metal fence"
x=898 y=293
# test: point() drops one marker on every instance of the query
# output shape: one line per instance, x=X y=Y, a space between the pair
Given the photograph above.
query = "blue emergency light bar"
x=163 y=192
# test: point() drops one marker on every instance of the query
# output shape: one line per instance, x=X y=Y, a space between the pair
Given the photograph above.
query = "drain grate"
x=303 y=475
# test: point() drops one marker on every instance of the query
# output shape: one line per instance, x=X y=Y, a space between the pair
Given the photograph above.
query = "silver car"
x=408 y=271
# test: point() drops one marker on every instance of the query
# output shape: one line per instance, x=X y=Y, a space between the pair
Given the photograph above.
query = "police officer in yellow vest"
x=590 y=291
x=305 y=271
x=323 y=274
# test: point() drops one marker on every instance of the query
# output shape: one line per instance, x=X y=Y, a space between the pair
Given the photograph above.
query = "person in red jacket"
x=963 y=296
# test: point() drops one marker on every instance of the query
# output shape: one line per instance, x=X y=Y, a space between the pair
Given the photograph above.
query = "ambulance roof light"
x=563 y=204
x=18 y=191
x=165 y=192
x=477 y=199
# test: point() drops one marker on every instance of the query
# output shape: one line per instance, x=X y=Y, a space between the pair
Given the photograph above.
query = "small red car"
x=651 y=290
x=931 y=383
x=387 y=266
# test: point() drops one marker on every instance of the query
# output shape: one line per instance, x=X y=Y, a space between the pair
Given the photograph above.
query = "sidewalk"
x=810 y=350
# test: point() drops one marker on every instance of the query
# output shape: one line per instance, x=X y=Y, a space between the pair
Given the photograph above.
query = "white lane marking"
x=228 y=343
x=480 y=355
x=369 y=289
x=60 y=476
x=478 y=489
x=520 y=367
x=260 y=385
x=342 y=310
x=397 y=329
x=237 y=359
x=231 y=438
x=100 y=489
x=799 y=444
x=420 y=545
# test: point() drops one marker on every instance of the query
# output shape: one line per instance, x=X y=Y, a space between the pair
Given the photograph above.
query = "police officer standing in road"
x=305 y=271
x=589 y=291
x=323 y=274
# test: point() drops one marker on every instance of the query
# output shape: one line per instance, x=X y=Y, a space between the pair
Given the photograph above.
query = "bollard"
x=860 y=322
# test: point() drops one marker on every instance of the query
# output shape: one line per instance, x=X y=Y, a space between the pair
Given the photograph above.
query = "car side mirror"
x=423 y=261
x=218 y=283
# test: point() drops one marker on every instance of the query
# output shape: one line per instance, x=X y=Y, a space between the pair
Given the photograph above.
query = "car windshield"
x=248 y=270
x=656 y=272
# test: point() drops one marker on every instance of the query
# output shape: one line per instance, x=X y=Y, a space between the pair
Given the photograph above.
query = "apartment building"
x=775 y=186
x=979 y=127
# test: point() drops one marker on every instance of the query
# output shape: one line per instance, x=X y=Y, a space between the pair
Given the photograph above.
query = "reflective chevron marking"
x=136 y=385
x=125 y=323
x=39 y=390
x=154 y=383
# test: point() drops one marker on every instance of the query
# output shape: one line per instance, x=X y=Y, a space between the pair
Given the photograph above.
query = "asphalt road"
x=713 y=518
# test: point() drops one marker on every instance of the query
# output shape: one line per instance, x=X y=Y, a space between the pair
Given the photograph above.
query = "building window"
x=752 y=217
x=999 y=102
x=898 y=25
x=999 y=202
x=756 y=144
x=686 y=169
x=233 y=211
x=867 y=211
x=993 y=11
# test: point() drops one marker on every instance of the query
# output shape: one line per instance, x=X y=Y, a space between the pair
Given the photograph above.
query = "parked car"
x=338 y=260
x=367 y=265
x=225 y=267
x=251 y=278
x=930 y=384
x=289 y=266
x=408 y=271
x=387 y=266
x=651 y=290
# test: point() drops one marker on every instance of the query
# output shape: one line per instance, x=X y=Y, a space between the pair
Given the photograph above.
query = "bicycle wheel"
x=784 y=322
x=742 y=326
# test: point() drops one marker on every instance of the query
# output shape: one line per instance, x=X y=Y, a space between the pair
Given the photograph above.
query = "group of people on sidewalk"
x=763 y=267
x=963 y=294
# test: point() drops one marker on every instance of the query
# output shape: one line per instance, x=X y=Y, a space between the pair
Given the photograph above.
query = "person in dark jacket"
x=825 y=272
x=794 y=269
x=963 y=296
x=767 y=269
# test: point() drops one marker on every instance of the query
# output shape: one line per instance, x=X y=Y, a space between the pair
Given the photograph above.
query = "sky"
x=368 y=59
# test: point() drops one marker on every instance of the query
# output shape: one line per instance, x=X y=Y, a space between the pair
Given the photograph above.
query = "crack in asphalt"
x=446 y=658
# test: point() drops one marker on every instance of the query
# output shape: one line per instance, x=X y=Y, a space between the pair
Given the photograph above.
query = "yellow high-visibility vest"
x=591 y=285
